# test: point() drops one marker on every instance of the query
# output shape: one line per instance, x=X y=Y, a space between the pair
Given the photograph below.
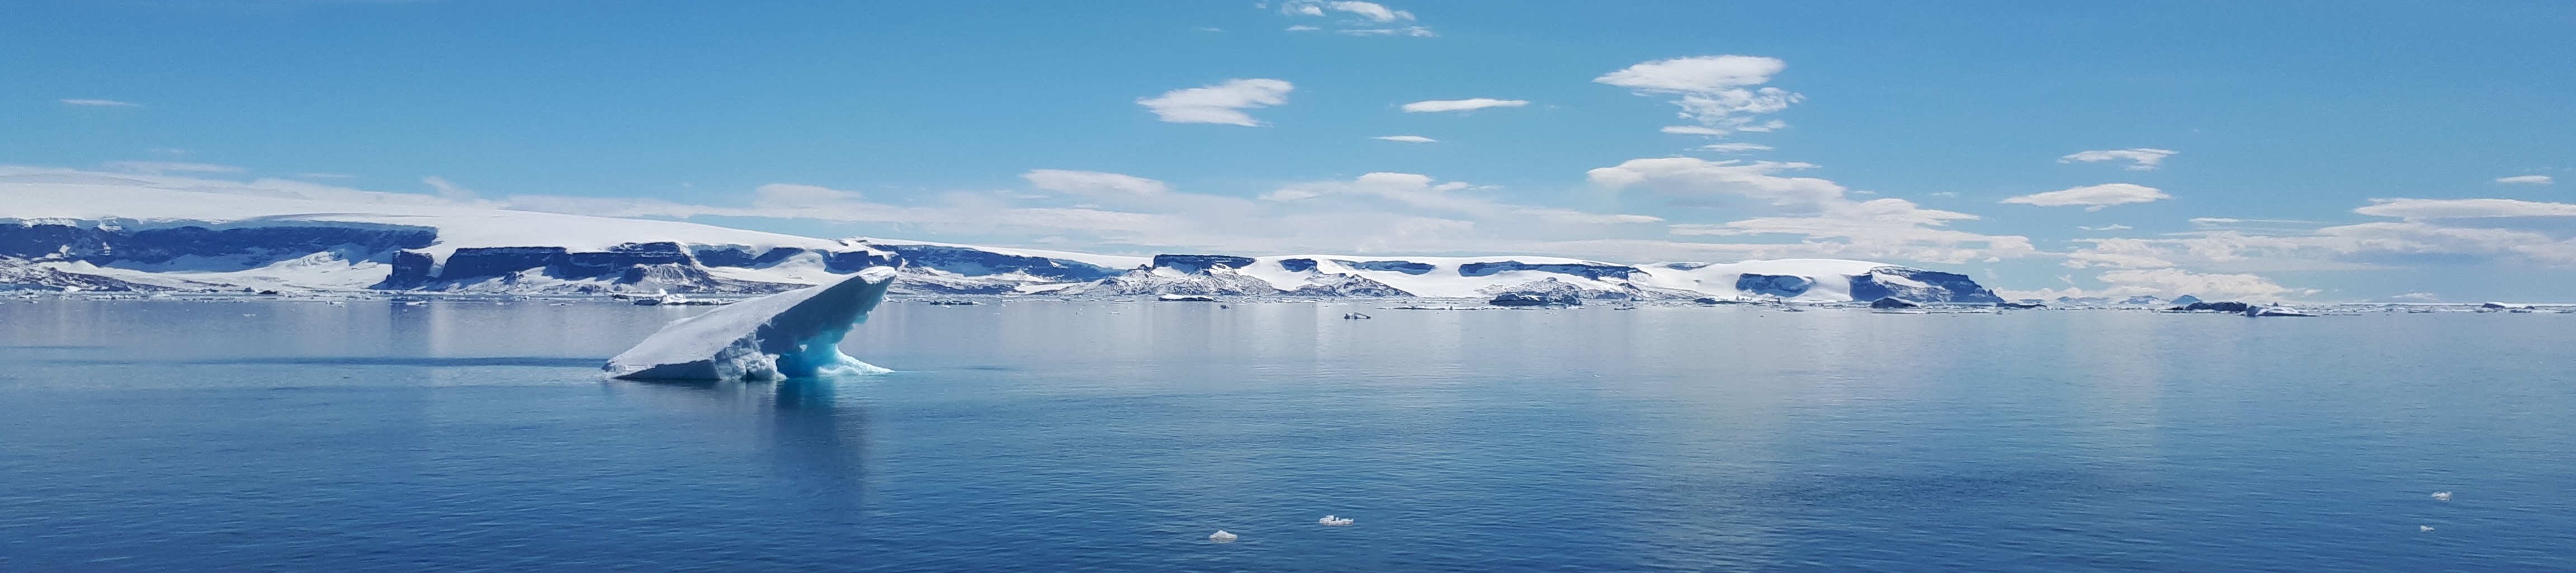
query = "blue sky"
x=2322 y=151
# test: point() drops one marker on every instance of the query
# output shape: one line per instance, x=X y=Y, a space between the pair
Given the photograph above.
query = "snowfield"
x=89 y=231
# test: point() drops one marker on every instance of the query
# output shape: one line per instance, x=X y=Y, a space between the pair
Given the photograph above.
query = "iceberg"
x=793 y=334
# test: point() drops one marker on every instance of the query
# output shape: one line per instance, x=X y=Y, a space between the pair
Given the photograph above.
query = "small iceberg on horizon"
x=2442 y=495
x=1334 y=521
x=793 y=334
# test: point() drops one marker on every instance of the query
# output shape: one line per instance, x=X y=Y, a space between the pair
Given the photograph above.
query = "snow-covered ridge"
x=109 y=233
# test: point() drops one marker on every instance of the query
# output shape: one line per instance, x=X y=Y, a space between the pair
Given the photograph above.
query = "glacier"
x=74 y=231
x=794 y=334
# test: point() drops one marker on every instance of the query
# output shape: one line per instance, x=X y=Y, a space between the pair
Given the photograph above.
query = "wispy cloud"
x=1356 y=18
x=1407 y=138
x=2173 y=282
x=447 y=189
x=2139 y=158
x=1094 y=182
x=2525 y=180
x=1738 y=147
x=159 y=167
x=1716 y=91
x=100 y=103
x=2093 y=197
x=1470 y=104
x=2423 y=209
x=1220 y=103
x=1817 y=210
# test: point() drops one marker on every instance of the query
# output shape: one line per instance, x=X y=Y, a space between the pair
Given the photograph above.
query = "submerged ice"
x=794 y=334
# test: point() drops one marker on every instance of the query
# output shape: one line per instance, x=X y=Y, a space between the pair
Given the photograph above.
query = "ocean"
x=1043 y=435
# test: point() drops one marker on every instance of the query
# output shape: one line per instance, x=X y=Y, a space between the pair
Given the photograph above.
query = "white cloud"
x=1414 y=31
x=1700 y=74
x=2418 y=209
x=2525 y=180
x=325 y=175
x=1810 y=207
x=1093 y=182
x=446 y=189
x=1734 y=147
x=2140 y=158
x=1470 y=104
x=159 y=167
x=1373 y=11
x=2093 y=197
x=1716 y=91
x=1363 y=18
x=99 y=103
x=2110 y=227
x=2169 y=283
x=2431 y=231
x=1407 y=138
x=1221 y=103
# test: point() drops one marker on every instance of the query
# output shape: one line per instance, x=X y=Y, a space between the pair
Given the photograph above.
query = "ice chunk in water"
x=1334 y=520
x=793 y=334
x=1221 y=537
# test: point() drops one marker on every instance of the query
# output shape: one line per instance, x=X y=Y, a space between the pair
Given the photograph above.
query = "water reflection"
x=811 y=435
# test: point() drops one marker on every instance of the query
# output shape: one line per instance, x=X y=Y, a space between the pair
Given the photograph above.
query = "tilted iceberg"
x=793 y=334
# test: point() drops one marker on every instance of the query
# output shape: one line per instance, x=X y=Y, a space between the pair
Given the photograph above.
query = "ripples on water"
x=1052 y=436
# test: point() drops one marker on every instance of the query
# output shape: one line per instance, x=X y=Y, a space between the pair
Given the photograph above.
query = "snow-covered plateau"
x=91 y=232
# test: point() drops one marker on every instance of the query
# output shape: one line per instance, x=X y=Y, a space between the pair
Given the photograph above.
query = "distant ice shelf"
x=793 y=334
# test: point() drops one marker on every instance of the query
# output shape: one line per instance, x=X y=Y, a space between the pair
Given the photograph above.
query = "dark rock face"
x=251 y=246
x=1546 y=291
x=1893 y=302
x=1196 y=263
x=2020 y=305
x=1589 y=271
x=1347 y=285
x=2221 y=306
x=1406 y=267
x=972 y=262
x=1518 y=299
x=1297 y=265
x=639 y=266
x=1944 y=287
x=15 y=274
x=1775 y=285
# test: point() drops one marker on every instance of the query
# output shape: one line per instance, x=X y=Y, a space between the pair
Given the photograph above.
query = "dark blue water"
x=1051 y=436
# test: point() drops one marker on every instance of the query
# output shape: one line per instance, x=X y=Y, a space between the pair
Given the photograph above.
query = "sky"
x=2326 y=151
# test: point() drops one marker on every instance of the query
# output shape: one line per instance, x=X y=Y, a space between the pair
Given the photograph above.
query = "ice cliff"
x=794 y=334
x=62 y=231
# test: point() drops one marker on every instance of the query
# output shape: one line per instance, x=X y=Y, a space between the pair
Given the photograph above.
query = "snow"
x=157 y=202
x=794 y=334
x=88 y=199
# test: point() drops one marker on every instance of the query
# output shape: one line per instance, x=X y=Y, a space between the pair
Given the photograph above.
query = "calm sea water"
x=1055 y=436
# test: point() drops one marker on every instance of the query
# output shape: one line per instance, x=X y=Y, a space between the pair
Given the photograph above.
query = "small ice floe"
x=1334 y=520
x=2423 y=528
x=2442 y=495
x=1221 y=537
